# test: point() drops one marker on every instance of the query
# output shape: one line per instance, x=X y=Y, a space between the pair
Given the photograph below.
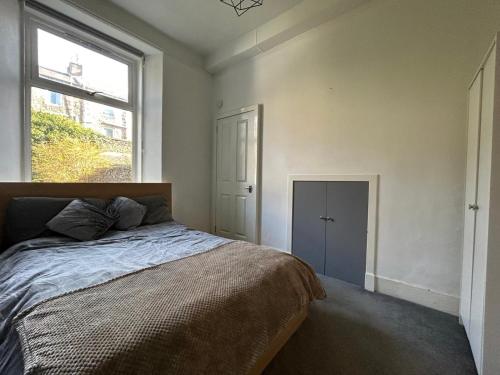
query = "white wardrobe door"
x=482 y=219
x=470 y=198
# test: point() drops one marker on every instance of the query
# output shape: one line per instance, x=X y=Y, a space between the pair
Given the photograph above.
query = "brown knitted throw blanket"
x=212 y=313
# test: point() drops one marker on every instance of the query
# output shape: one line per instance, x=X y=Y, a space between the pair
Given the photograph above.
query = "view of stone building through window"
x=76 y=140
x=68 y=63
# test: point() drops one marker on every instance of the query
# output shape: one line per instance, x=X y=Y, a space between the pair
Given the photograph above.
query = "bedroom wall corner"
x=180 y=151
x=186 y=113
x=381 y=89
x=187 y=135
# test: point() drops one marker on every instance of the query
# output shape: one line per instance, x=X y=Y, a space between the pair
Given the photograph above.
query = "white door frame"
x=258 y=108
x=371 y=240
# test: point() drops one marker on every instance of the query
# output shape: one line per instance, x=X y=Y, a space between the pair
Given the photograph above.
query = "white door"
x=476 y=330
x=474 y=121
x=237 y=155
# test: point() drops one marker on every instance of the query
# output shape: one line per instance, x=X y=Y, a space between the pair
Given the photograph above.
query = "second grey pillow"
x=130 y=213
x=82 y=221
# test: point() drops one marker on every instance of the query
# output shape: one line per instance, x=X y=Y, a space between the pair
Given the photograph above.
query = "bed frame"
x=9 y=190
x=279 y=342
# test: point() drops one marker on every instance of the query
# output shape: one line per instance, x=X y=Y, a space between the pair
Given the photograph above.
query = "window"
x=83 y=109
x=68 y=63
x=109 y=114
x=108 y=132
x=55 y=98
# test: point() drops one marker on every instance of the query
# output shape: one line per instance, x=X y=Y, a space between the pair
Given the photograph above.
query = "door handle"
x=249 y=188
x=473 y=207
x=327 y=218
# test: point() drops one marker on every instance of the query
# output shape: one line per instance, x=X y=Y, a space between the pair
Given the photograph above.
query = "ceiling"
x=203 y=25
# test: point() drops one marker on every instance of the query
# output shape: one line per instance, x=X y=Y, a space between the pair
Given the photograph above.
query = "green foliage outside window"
x=63 y=150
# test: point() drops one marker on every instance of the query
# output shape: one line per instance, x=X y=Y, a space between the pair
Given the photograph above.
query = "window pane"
x=78 y=140
x=66 y=62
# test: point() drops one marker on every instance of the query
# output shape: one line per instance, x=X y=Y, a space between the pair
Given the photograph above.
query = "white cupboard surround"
x=480 y=294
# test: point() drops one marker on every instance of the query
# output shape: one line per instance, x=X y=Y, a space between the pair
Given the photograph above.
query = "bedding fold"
x=213 y=312
x=43 y=268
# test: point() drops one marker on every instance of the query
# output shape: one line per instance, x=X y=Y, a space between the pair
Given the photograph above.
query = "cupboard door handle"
x=327 y=218
x=473 y=207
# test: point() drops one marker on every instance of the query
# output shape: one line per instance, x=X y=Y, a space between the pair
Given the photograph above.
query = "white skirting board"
x=414 y=293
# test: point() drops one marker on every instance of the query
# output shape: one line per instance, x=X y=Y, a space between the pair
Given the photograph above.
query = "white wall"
x=10 y=92
x=185 y=107
x=187 y=142
x=380 y=90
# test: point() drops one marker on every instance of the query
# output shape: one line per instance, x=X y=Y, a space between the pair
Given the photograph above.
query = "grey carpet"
x=354 y=332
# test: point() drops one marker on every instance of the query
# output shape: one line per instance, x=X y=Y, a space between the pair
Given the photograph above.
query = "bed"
x=156 y=299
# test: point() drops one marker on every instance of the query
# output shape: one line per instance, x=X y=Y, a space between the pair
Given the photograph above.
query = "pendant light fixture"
x=242 y=6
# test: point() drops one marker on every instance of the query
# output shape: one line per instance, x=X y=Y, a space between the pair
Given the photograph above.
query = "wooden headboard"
x=9 y=190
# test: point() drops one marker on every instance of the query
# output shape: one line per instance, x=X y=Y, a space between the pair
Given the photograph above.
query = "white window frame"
x=34 y=21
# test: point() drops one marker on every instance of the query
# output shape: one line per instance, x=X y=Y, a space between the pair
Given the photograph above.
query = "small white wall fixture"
x=371 y=243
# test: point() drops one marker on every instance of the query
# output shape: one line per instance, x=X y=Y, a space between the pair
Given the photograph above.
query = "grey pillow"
x=82 y=221
x=130 y=213
x=158 y=210
x=26 y=216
